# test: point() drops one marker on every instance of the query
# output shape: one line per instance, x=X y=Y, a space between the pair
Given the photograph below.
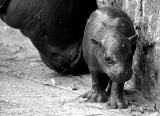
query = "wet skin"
x=108 y=47
x=55 y=28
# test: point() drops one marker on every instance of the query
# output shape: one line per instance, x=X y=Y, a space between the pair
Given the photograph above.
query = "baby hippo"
x=108 y=46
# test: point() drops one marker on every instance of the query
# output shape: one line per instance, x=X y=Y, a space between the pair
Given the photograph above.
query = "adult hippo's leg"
x=99 y=84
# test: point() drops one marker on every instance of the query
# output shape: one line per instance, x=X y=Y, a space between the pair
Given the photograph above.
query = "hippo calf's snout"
x=120 y=73
x=108 y=47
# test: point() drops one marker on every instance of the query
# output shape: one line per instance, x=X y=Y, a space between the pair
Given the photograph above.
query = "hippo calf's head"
x=115 y=55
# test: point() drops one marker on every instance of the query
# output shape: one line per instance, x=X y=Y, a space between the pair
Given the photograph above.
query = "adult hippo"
x=55 y=28
x=108 y=47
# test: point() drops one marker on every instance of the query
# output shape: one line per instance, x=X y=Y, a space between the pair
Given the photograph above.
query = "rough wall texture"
x=146 y=16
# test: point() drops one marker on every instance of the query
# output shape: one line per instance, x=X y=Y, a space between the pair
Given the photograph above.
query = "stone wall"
x=146 y=17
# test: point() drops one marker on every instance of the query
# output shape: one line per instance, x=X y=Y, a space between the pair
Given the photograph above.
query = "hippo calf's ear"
x=95 y=42
x=133 y=39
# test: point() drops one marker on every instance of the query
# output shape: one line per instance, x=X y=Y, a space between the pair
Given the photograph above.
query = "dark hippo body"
x=55 y=27
x=108 y=47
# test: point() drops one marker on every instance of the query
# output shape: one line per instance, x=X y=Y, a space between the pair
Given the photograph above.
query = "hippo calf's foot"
x=116 y=100
x=117 y=104
x=96 y=96
x=99 y=84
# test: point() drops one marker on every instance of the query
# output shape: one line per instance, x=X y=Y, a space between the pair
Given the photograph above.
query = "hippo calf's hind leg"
x=99 y=84
x=116 y=99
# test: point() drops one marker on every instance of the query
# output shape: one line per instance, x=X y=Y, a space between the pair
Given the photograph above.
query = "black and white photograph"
x=79 y=57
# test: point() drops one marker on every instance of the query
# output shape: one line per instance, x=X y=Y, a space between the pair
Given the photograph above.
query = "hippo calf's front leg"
x=116 y=99
x=99 y=84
